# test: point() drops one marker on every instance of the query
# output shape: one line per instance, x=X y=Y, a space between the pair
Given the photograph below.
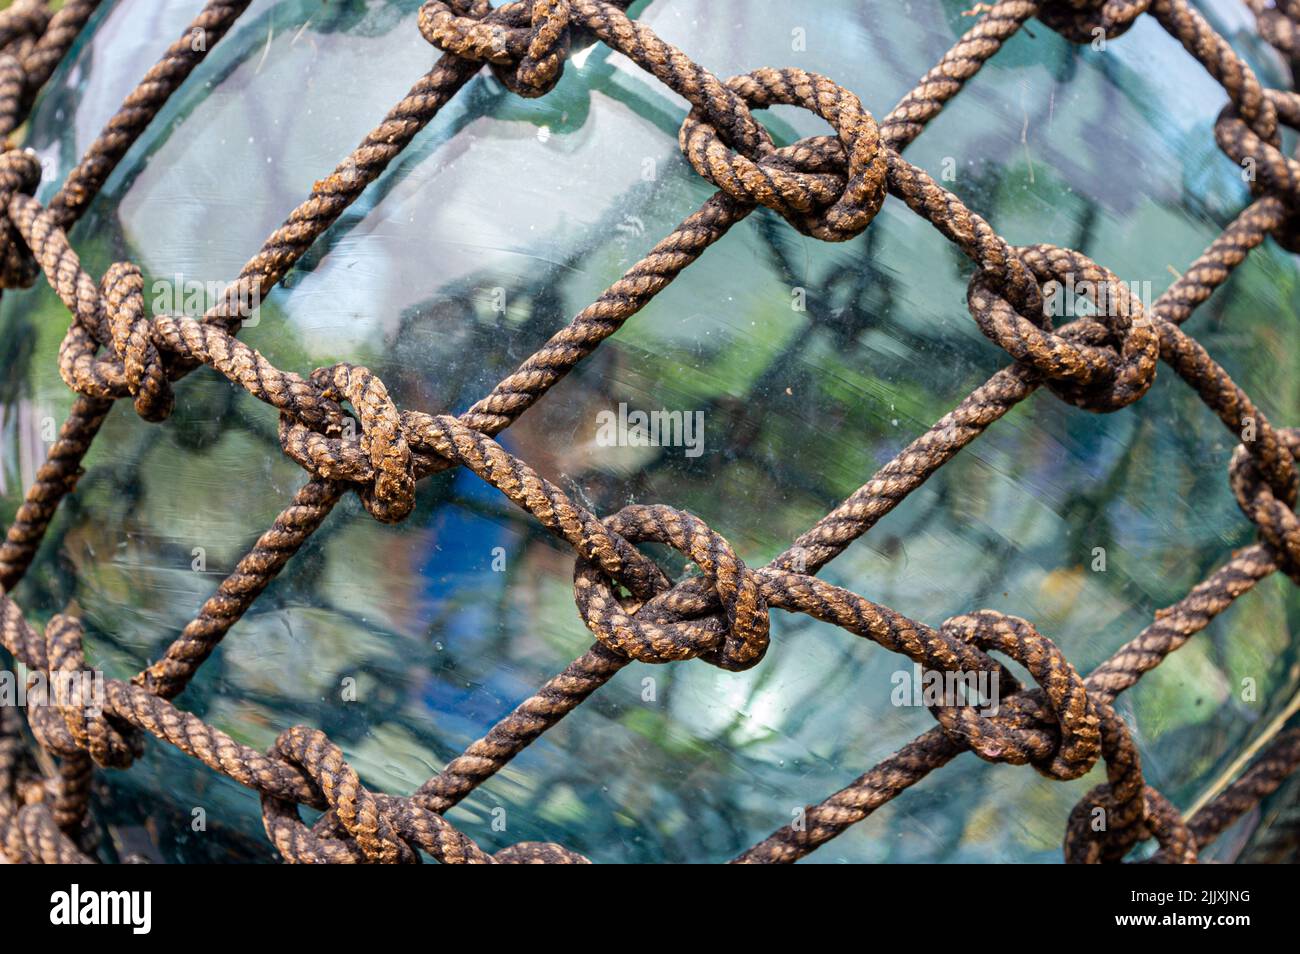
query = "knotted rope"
x=341 y=425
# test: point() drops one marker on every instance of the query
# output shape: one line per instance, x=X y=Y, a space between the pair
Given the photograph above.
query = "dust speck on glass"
x=810 y=364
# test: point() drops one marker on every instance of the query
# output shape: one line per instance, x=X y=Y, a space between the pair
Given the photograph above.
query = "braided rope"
x=340 y=424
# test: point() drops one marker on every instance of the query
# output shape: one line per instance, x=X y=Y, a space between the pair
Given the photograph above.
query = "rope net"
x=341 y=426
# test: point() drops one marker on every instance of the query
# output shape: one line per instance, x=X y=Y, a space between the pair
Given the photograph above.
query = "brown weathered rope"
x=340 y=424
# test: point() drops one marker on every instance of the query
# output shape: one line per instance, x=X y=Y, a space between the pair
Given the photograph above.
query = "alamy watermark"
x=133 y=909
x=1076 y=299
x=81 y=688
x=191 y=298
x=624 y=428
x=919 y=686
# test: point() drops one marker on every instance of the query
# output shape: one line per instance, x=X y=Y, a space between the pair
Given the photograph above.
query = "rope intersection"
x=341 y=426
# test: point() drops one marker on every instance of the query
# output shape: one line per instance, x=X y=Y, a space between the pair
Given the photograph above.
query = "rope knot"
x=1102 y=362
x=1259 y=501
x=1090 y=838
x=73 y=721
x=1013 y=737
x=1084 y=21
x=359 y=826
x=829 y=187
x=143 y=370
x=525 y=42
x=653 y=630
x=379 y=457
x=1266 y=169
x=113 y=316
x=20 y=171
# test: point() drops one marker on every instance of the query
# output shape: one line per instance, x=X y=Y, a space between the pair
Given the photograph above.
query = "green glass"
x=501 y=221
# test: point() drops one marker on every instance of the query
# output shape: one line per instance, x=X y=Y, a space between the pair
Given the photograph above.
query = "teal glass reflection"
x=812 y=364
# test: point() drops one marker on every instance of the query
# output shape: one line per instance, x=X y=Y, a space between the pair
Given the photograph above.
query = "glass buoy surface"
x=809 y=365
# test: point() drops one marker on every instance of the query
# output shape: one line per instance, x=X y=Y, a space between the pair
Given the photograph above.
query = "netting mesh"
x=340 y=424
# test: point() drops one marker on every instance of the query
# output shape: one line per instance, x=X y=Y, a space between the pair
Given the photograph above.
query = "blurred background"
x=503 y=219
